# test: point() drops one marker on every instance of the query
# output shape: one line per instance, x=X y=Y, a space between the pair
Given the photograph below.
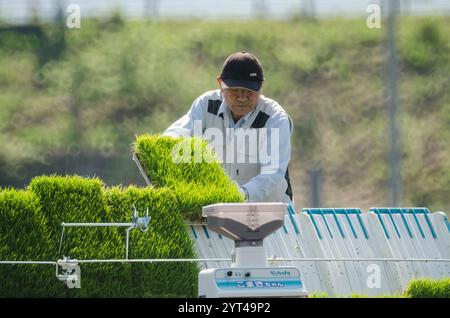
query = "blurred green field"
x=75 y=100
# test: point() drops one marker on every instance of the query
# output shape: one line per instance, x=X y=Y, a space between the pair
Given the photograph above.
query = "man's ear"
x=219 y=81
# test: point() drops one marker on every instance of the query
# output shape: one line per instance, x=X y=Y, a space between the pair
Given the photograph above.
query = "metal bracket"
x=140 y=223
x=70 y=272
x=137 y=223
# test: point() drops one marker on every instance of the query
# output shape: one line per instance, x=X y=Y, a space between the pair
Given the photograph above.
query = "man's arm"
x=270 y=184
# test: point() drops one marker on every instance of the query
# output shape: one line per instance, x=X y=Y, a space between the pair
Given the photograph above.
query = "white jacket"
x=255 y=151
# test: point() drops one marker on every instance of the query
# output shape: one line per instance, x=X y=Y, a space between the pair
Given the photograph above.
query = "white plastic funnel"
x=245 y=221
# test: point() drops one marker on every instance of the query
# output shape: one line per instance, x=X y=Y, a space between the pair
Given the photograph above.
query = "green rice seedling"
x=80 y=200
x=73 y=199
x=20 y=213
x=181 y=190
x=31 y=228
x=428 y=288
x=166 y=238
x=318 y=295
x=358 y=296
x=23 y=237
x=198 y=180
x=391 y=296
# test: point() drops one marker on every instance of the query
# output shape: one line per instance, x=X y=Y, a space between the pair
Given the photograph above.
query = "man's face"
x=240 y=101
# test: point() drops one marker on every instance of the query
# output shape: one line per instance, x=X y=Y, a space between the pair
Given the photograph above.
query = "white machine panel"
x=251 y=282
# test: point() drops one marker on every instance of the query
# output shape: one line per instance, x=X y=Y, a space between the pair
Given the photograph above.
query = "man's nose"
x=242 y=95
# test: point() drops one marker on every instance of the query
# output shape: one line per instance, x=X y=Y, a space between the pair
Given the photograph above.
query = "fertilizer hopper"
x=249 y=275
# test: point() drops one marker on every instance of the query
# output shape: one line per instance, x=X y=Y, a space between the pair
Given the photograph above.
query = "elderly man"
x=251 y=126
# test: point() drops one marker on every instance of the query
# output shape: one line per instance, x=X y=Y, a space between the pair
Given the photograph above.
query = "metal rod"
x=161 y=260
x=28 y=262
x=154 y=260
x=61 y=240
x=395 y=151
x=141 y=170
x=128 y=239
x=95 y=224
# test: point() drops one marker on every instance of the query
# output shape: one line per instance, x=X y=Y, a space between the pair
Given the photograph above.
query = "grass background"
x=71 y=101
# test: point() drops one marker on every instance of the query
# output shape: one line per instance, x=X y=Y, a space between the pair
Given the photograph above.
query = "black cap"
x=242 y=69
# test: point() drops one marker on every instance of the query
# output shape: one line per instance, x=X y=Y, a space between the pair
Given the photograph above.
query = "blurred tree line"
x=72 y=100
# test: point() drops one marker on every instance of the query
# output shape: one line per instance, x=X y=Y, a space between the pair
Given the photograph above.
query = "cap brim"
x=252 y=86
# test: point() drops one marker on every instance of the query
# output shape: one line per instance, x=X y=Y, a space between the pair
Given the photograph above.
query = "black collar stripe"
x=260 y=120
x=289 y=188
x=213 y=106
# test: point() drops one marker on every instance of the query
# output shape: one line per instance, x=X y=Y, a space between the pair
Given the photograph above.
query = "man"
x=239 y=112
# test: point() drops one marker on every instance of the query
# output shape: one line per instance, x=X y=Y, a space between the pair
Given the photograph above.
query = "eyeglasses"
x=241 y=92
